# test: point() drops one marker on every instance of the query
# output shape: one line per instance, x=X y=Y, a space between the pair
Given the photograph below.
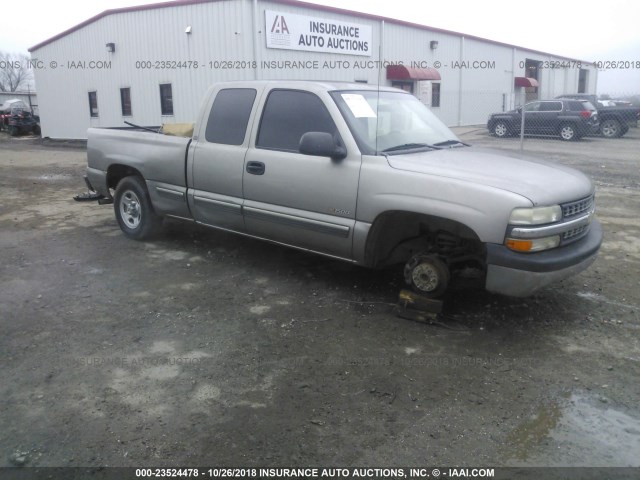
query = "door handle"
x=255 y=168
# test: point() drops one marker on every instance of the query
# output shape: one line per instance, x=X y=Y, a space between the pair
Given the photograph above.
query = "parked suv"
x=568 y=118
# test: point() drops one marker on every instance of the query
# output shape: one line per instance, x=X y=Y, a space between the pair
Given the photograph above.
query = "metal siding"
x=222 y=30
x=484 y=84
x=406 y=44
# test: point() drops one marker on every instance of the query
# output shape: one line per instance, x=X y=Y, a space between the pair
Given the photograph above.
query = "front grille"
x=576 y=208
x=574 y=233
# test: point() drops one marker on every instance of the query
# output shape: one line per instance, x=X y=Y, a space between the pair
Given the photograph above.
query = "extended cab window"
x=229 y=116
x=289 y=114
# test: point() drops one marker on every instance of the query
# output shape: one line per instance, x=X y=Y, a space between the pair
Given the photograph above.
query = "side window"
x=435 y=95
x=532 y=107
x=551 y=106
x=93 y=104
x=229 y=116
x=289 y=114
x=166 y=99
x=125 y=101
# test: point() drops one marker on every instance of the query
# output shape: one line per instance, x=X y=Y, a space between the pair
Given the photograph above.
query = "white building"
x=152 y=64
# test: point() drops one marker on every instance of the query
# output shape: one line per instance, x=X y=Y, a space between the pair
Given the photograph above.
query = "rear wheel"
x=568 y=132
x=611 y=128
x=427 y=275
x=134 y=211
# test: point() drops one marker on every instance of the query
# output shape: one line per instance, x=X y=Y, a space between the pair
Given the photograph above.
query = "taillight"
x=586 y=113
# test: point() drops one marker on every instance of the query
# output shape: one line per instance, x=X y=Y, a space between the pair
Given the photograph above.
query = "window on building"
x=582 y=80
x=125 y=101
x=166 y=99
x=229 y=116
x=289 y=114
x=93 y=104
x=435 y=95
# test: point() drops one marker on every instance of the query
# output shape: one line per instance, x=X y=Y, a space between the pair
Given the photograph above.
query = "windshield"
x=391 y=122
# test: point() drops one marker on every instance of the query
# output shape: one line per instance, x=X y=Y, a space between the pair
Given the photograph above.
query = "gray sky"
x=584 y=30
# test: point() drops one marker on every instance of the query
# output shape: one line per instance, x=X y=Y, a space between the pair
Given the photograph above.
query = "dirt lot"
x=202 y=348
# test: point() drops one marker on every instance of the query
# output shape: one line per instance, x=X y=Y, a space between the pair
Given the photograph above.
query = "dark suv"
x=568 y=118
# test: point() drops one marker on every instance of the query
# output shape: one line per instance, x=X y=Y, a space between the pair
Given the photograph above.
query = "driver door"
x=300 y=200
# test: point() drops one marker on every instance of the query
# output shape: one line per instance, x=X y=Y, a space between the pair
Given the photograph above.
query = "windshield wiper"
x=409 y=146
x=450 y=142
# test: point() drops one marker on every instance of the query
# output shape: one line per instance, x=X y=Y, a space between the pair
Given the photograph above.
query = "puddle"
x=582 y=430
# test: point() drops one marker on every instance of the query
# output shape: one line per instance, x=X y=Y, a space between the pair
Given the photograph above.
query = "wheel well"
x=506 y=121
x=605 y=117
x=396 y=236
x=117 y=172
x=569 y=123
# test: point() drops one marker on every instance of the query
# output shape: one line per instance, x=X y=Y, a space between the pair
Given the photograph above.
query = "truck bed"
x=159 y=158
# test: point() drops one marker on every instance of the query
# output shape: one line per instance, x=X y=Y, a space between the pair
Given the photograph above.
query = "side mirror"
x=321 y=144
x=519 y=110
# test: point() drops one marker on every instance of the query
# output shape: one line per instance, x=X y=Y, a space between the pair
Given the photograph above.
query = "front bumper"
x=521 y=274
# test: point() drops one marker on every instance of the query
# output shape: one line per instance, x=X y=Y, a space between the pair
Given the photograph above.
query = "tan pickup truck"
x=359 y=173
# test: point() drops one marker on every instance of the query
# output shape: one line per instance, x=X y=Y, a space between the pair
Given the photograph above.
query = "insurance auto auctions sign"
x=299 y=32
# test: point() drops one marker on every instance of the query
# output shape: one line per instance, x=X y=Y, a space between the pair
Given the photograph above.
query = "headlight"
x=536 y=215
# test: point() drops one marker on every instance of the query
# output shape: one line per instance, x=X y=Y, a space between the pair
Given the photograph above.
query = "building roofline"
x=293 y=3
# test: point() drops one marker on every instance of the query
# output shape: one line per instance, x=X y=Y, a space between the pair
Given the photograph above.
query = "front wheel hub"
x=427 y=275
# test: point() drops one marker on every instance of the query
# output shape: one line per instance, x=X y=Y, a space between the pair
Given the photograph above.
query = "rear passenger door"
x=532 y=118
x=295 y=199
x=218 y=159
x=549 y=117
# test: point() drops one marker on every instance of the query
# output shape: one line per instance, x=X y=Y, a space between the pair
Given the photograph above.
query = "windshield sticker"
x=358 y=105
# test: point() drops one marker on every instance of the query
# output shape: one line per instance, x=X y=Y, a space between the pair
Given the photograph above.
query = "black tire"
x=427 y=275
x=36 y=129
x=134 y=211
x=568 y=132
x=501 y=129
x=611 y=128
x=13 y=131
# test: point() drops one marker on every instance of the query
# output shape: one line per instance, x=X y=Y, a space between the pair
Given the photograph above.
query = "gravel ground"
x=203 y=348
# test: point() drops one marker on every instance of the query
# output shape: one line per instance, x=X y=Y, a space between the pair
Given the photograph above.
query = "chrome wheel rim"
x=609 y=129
x=500 y=130
x=567 y=133
x=130 y=210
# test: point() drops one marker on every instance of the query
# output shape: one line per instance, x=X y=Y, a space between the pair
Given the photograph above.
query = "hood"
x=542 y=182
